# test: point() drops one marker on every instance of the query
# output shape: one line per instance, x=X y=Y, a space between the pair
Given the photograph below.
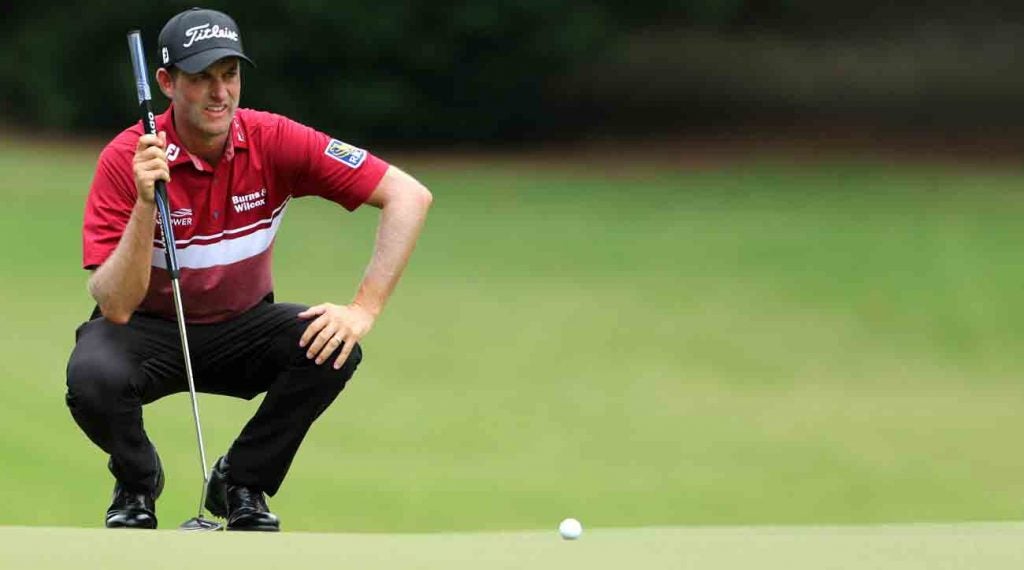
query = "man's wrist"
x=144 y=211
x=372 y=308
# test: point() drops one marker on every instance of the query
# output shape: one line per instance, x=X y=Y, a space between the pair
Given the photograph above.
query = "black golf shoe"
x=245 y=508
x=132 y=508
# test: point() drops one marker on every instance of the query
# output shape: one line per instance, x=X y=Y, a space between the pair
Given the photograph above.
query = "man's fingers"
x=340 y=361
x=313 y=311
x=155 y=165
x=320 y=341
x=333 y=328
x=151 y=171
x=332 y=344
x=150 y=153
x=311 y=331
x=147 y=141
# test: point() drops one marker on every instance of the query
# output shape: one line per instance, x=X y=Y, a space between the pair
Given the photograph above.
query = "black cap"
x=195 y=38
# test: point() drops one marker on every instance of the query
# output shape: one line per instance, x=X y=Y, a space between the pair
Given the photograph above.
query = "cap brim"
x=203 y=59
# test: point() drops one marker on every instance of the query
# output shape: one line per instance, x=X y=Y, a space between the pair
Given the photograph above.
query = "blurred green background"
x=700 y=263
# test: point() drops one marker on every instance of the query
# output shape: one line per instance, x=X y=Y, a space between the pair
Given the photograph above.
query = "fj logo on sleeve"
x=172 y=152
x=345 y=153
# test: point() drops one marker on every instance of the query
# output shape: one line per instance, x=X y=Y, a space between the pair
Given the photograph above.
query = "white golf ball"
x=570 y=529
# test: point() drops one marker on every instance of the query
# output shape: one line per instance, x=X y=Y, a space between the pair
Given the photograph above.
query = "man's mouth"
x=216 y=109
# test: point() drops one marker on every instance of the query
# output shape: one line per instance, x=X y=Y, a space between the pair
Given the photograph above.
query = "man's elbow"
x=423 y=196
x=411 y=196
x=115 y=306
x=116 y=316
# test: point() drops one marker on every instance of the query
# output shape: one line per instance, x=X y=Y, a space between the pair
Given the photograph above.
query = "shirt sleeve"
x=108 y=207
x=318 y=165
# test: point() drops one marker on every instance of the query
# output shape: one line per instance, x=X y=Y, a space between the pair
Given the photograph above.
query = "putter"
x=199 y=522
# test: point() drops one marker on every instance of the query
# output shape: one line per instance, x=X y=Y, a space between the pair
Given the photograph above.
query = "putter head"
x=200 y=524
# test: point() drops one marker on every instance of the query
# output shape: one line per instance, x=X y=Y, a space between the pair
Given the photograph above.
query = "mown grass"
x=755 y=343
x=910 y=547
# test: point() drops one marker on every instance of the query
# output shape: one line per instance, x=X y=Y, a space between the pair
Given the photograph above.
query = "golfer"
x=231 y=174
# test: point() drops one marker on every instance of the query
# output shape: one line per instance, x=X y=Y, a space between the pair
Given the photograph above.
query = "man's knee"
x=351 y=363
x=354 y=358
x=96 y=384
x=334 y=379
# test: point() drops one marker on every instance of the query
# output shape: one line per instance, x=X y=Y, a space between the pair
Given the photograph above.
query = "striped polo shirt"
x=225 y=217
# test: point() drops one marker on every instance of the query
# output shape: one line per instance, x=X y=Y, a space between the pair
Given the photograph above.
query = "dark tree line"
x=402 y=71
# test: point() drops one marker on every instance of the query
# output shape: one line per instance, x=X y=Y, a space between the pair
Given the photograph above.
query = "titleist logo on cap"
x=205 y=32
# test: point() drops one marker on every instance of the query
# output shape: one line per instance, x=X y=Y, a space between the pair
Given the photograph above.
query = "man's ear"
x=166 y=82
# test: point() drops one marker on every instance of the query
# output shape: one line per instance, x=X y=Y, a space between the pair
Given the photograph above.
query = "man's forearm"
x=120 y=284
x=400 y=223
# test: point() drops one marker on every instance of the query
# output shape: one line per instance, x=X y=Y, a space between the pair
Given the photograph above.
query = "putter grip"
x=149 y=126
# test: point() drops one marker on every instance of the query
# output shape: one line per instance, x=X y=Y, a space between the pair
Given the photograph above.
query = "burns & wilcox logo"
x=247 y=202
x=206 y=31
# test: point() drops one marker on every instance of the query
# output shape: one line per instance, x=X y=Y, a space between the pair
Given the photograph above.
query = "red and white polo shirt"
x=225 y=217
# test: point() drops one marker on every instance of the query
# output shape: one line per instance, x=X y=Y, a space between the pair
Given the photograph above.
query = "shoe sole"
x=254 y=529
x=147 y=526
x=131 y=527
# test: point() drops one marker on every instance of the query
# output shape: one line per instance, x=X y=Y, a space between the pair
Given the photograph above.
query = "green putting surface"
x=911 y=547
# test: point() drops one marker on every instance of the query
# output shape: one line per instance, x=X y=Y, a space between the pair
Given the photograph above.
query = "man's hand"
x=332 y=326
x=150 y=165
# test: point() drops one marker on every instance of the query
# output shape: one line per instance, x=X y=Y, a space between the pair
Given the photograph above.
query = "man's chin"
x=216 y=126
x=217 y=129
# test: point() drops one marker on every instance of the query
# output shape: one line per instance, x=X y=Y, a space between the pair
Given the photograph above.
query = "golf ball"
x=570 y=529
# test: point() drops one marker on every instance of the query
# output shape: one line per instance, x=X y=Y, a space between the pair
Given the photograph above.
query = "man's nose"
x=218 y=90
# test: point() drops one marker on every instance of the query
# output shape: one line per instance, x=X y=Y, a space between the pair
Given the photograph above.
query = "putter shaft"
x=180 y=312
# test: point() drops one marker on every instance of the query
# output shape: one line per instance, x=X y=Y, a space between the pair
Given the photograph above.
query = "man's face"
x=206 y=101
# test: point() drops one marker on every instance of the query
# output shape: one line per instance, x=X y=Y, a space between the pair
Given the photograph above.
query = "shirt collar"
x=177 y=154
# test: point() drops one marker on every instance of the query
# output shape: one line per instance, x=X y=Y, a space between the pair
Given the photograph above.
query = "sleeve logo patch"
x=345 y=153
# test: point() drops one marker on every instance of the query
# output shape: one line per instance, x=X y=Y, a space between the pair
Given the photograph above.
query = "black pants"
x=115 y=369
